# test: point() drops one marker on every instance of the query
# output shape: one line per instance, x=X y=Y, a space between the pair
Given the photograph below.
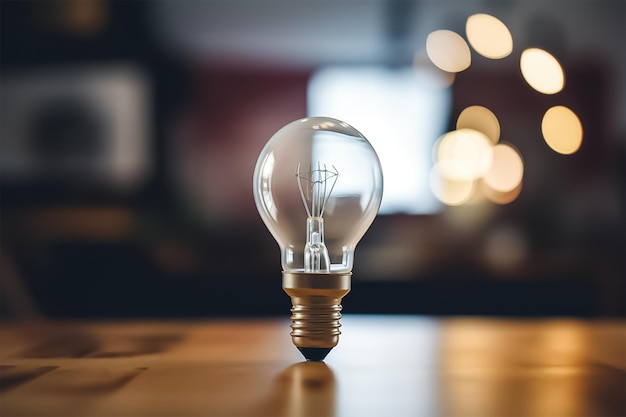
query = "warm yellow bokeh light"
x=448 y=51
x=506 y=170
x=489 y=36
x=431 y=75
x=463 y=154
x=450 y=192
x=500 y=197
x=542 y=71
x=562 y=130
x=481 y=119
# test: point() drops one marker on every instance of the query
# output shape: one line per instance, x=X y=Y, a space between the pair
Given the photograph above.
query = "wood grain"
x=383 y=366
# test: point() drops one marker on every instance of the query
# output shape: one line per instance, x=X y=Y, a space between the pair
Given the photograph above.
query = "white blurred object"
x=88 y=125
x=400 y=115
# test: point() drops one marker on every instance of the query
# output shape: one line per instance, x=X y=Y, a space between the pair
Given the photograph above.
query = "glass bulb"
x=317 y=185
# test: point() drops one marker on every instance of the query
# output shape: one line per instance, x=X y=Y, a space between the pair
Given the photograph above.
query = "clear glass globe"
x=318 y=185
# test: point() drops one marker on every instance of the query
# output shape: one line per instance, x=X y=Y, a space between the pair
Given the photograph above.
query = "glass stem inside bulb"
x=316 y=257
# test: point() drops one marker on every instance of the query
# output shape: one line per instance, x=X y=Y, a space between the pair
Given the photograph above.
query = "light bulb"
x=317 y=185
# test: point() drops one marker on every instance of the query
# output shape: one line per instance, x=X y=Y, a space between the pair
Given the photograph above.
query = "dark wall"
x=178 y=234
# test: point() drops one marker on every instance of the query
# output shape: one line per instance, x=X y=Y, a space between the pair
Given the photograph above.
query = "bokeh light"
x=481 y=119
x=489 y=36
x=542 y=71
x=463 y=154
x=448 y=191
x=448 y=51
x=562 y=130
x=506 y=170
x=431 y=75
x=469 y=167
x=500 y=197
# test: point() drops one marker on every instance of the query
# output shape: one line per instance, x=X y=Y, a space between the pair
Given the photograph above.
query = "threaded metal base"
x=316 y=310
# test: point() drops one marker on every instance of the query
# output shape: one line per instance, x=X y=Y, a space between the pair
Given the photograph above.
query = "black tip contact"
x=314 y=354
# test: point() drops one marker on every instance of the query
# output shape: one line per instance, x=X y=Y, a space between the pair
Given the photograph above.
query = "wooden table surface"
x=383 y=366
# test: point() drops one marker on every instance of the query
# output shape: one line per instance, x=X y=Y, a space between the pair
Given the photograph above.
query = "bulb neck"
x=316 y=311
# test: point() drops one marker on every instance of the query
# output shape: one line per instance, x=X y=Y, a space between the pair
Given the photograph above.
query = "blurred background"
x=129 y=131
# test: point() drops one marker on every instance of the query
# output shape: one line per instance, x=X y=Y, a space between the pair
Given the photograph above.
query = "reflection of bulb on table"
x=329 y=168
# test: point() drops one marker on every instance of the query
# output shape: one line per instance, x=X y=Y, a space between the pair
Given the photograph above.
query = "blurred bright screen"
x=399 y=113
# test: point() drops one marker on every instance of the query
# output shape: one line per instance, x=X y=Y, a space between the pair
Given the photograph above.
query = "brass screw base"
x=316 y=311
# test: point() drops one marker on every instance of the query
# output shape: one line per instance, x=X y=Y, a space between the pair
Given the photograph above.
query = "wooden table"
x=384 y=366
